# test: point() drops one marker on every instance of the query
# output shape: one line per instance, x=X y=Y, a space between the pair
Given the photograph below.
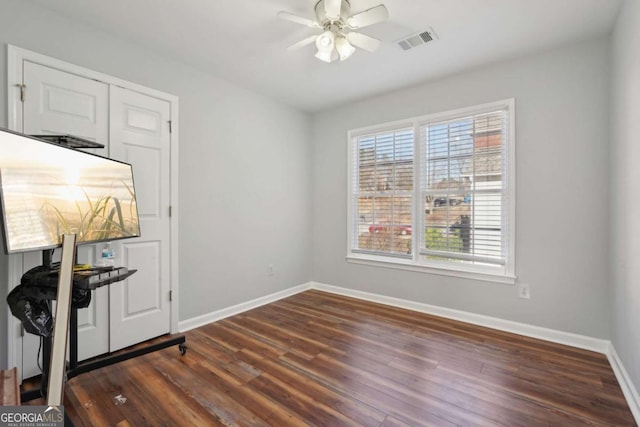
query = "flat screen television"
x=47 y=190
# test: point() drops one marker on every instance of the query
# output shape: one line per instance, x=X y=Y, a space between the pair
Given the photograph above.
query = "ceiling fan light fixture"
x=344 y=48
x=326 y=55
x=325 y=41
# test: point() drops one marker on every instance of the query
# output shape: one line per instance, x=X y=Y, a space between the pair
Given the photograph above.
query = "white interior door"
x=63 y=98
x=57 y=102
x=140 y=135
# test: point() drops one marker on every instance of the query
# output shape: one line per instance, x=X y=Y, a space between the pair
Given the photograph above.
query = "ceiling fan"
x=338 y=38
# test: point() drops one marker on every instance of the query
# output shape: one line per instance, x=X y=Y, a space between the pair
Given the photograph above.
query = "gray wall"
x=244 y=161
x=562 y=190
x=625 y=189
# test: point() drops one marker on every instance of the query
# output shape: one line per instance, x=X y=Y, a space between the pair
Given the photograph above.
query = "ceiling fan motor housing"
x=345 y=9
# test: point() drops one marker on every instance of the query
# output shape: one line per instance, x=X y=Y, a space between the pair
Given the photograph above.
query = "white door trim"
x=15 y=58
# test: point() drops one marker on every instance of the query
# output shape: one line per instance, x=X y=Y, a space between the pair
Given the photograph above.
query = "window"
x=383 y=196
x=435 y=193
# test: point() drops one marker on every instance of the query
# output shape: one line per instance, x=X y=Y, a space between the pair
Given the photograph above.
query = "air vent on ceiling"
x=417 y=39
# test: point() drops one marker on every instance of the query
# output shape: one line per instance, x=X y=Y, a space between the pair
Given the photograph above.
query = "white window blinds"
x=463 y=187
x=436 y=193
x=382 y=192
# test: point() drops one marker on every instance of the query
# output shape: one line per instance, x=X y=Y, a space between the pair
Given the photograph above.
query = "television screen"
x=47 y=190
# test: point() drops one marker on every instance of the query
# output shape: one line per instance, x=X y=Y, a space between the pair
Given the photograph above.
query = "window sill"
x=411 y=266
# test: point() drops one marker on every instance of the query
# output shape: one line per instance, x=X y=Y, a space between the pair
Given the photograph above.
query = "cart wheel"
x=183 y=348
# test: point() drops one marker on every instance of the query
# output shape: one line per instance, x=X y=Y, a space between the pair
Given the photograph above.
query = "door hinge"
x=170 y=211
x=170 y=295
x=170 y=127
x=21 y=329
x=22 y=88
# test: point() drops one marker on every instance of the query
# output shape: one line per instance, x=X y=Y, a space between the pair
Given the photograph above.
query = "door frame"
x=15 y=59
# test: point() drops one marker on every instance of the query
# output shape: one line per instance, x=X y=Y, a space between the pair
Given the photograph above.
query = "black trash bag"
x=34 y=313
x=80 y=298
x=37 y=293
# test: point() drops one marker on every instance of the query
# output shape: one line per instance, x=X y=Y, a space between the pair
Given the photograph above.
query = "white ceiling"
x=244 y=42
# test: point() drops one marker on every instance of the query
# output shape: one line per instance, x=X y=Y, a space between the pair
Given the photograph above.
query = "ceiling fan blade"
x=368 y=17
x=303 y=43
x=298 y=19
x=332 y=9
x=363 y=41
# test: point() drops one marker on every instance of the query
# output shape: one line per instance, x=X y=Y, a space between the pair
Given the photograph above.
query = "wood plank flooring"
x=318 y=359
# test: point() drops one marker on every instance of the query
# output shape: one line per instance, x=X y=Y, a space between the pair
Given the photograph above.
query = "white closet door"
x=57 y=102
x=140 y=305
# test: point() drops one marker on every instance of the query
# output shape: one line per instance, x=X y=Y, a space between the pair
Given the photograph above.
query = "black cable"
x=38 y=357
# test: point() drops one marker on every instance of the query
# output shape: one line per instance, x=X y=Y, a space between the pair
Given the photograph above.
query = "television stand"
x=87 y=280
x=75 y=368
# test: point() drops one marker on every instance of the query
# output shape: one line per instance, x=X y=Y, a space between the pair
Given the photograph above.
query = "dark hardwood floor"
x=326 y=360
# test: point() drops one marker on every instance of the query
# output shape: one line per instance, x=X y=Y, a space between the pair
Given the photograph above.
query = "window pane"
x=383 y=197
x=487 y=214
x=462 y=189
x=449 y=153
x=447 y=223
x=390 y=227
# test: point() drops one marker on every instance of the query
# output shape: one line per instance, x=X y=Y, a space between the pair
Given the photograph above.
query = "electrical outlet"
x=271 y=270
x=524 y=291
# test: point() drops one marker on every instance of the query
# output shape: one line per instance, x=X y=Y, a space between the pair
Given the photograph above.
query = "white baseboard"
x=194 y=322
x=628 y=389
x=552 y=335
x=566 y=338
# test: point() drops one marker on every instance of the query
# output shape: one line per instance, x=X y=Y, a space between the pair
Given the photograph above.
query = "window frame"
x=499 y=274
